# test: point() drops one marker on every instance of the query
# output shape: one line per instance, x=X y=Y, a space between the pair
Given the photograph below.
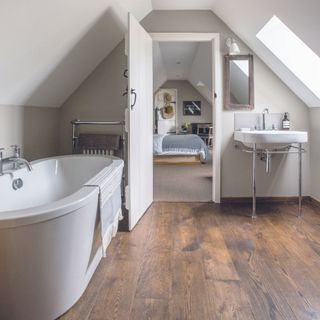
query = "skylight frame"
x=292 y=52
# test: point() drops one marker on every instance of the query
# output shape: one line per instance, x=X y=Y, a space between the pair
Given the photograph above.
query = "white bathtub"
x=49 y=234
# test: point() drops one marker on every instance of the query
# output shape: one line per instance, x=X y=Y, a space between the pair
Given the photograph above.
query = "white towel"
x=107 y=180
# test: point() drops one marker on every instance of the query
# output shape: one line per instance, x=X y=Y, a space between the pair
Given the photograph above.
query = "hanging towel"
x=98 y=141
x=108 y=181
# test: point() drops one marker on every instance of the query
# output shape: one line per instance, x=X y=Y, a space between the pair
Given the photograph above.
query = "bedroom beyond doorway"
x=183 y=121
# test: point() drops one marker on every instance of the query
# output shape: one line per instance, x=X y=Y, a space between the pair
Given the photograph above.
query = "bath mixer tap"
x=16 y=154
x=19 y=161
x=16 y=160
x=264 y=111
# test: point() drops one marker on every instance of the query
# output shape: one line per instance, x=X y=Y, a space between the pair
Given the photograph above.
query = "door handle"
x=133 y=92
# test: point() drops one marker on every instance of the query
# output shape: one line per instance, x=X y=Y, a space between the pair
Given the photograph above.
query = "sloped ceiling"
x=49 y=47
x=183 y=61
x=246 y=17
x=178 y=58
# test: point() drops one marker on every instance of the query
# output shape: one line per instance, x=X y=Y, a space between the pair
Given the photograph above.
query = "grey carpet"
x=182 y=183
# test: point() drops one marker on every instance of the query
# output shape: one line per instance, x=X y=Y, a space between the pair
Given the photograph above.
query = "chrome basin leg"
x=300 y=181
x=254 y=200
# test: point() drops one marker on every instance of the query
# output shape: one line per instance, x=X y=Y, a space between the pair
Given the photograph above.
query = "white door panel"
x=140 y=156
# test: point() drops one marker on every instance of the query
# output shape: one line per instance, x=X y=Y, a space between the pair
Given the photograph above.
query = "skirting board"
x=231 y=200
x=314 y=202
x=176 y=159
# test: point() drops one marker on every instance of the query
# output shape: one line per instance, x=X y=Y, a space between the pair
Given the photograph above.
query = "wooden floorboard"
x=205 y=261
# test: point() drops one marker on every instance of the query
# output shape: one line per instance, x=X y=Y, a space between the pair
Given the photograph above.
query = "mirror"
x=238 y=91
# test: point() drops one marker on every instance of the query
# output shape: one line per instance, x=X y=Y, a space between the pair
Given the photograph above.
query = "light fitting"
x=200 y=84
x=232 y=46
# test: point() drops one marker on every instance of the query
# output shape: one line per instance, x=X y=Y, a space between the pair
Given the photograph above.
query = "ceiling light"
x=232 y=45
x=200 y=84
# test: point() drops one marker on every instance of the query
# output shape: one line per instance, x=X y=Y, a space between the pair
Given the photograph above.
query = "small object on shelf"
x=185 y=127
x=286 y=122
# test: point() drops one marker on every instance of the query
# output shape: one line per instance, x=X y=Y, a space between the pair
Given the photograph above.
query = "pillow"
x=157 y=143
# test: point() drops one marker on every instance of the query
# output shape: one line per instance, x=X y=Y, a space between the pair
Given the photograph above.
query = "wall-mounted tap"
x=264 y=112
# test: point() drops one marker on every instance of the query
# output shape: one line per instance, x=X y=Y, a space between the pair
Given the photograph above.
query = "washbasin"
x=270 y=139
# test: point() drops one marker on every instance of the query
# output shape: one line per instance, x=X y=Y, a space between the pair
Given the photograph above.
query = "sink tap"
x=1 y=161
x=264 y=111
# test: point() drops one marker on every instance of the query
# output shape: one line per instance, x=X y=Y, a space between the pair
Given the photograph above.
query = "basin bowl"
x=270 y=139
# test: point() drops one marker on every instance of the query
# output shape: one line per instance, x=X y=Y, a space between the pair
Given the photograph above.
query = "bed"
x=180 y=147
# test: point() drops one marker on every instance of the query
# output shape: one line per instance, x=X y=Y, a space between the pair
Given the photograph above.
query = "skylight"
x=292 y=52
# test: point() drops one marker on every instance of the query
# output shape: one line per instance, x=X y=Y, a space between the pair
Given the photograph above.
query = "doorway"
x=191 y=178
x=139 y=115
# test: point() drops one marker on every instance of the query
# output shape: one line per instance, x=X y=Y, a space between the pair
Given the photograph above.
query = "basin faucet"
x=264 y=111
x=1 y=161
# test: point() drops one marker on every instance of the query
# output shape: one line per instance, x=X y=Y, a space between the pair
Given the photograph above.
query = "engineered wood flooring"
x=204 y=261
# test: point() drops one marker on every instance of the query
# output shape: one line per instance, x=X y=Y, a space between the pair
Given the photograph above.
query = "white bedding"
x=157 y=143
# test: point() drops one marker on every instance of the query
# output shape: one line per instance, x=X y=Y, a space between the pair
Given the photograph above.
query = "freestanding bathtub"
x=50 y=235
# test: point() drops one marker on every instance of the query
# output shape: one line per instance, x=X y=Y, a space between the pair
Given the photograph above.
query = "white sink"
x=270 y=139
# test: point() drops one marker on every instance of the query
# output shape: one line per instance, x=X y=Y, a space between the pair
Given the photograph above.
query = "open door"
x=140 y=122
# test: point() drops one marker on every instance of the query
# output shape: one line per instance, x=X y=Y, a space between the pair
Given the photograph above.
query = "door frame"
x=214 y=38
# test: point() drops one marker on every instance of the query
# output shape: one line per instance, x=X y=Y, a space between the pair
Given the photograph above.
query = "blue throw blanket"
x=181 y=144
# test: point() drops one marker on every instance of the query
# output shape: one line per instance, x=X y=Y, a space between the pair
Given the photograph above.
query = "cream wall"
x=187 y=92
x=98 y=98
x=34 y=129
x=314 y=116
x=270 y=92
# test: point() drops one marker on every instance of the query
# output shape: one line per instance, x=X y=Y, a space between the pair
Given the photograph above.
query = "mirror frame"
x=227 y=103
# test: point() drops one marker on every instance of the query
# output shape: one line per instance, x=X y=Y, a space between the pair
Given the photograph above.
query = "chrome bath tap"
x=264 y=112
x=16 y=160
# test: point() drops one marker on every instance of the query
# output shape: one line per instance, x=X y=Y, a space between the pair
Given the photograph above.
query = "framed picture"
x=192 y=108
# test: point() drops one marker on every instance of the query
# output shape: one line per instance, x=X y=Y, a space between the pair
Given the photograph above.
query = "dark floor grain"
x=204 y=261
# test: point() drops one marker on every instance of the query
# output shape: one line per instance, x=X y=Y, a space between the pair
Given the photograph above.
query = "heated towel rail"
x=123 y=149
x=75 y=132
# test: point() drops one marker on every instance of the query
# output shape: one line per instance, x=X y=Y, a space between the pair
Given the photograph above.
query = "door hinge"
x=126 y=120
x=127 y=197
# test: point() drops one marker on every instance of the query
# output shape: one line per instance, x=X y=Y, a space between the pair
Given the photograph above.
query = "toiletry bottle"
x=286 y=121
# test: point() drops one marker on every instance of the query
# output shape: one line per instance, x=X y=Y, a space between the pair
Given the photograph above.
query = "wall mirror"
x=239 y=84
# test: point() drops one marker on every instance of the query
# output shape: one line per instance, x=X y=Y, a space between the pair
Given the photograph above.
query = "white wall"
x=186 y=92
x=269 y=92
x=34 y=129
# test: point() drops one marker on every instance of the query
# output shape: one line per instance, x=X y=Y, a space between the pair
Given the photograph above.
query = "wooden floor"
x=203 y=261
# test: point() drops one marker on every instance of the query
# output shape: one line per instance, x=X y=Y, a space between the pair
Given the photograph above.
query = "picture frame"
x=192 y=108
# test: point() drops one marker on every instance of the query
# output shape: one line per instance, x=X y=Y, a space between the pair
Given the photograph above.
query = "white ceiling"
x=49 y=47
x=178 y=58
x=182 y=4
x=183 y=61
